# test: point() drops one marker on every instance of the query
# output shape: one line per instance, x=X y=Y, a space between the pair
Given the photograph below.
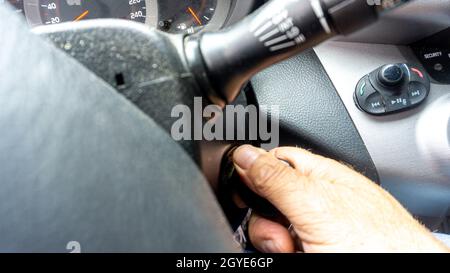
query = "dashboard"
x=173 y=16
x=407 y=152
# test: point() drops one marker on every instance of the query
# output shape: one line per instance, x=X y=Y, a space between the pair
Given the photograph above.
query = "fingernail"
x=245 y=155
x=269 y=246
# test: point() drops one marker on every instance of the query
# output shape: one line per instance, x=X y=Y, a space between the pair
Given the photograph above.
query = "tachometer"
x=59 y=11
x=186 y=16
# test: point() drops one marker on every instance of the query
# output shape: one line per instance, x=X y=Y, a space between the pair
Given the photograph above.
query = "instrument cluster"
x=173 y=16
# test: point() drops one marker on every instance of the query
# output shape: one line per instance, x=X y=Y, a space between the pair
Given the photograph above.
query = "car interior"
x=90 y=91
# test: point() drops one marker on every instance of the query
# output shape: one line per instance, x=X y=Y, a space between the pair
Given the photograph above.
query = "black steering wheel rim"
x=80 y=163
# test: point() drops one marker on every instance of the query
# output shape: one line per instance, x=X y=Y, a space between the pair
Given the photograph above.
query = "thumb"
x=270 y=178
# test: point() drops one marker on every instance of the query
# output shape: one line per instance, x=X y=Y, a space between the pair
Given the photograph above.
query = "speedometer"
x=59 y=11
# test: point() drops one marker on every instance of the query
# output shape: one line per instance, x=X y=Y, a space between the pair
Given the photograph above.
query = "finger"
x=311 y=165
x=270 y=178
x=298 y=158
x=269 y=237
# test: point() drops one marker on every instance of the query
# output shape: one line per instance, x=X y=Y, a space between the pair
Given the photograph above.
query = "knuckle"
x=269 y=176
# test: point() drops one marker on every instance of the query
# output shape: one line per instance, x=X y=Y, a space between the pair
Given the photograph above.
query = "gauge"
x=186 y=16
x=59 y=11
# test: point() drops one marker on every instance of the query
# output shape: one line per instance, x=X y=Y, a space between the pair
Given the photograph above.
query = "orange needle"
x=81 y=16
x=192 y=12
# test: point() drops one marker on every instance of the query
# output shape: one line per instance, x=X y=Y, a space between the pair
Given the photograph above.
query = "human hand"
x=331 y=207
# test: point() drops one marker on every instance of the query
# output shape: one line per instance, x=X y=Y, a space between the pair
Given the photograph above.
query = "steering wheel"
x=87 y=158
x=84 y=169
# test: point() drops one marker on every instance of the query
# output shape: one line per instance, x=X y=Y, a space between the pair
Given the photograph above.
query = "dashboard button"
x=417 y=92
x=397 y=103
x=364 y=89
x=417 y=75
x=390 y=75
x=368 y=98
x=374 y=104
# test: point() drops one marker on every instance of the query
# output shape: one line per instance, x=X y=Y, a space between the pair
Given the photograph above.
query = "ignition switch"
x=231 y=186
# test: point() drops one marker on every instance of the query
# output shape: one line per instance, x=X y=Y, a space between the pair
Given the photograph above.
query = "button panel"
x=374 y=96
